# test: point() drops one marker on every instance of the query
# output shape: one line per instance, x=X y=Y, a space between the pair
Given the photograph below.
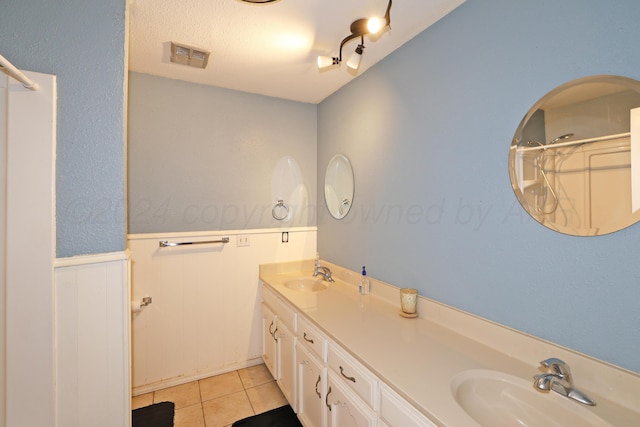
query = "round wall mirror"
x=574 y=161
x=338 y=186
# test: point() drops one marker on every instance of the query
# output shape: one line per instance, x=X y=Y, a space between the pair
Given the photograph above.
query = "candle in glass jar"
x=408 y=300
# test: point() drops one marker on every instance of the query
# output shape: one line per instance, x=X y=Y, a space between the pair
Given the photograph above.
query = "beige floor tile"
x=255 y=375
x=191 y=416
x=266 y=397
x=220 y=385
x=182 y=395
x=226 y=410
x=141 y=401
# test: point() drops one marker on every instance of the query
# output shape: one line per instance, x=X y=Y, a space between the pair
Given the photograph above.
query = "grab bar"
x=166 y=244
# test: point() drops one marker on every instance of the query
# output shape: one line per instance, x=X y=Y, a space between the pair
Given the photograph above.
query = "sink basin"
x=306 y=284
x=497 y=399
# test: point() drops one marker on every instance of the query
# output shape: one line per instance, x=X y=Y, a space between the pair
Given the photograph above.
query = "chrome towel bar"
x=166 y=244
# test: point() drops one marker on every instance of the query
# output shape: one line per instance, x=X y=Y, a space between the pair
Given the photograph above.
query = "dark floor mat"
x=156 y=415
x=279 y=417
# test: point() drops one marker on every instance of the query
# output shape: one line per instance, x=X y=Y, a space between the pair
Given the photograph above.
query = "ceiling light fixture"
x=359 y=28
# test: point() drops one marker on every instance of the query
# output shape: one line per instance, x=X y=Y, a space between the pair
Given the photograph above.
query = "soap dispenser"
x=363 y=288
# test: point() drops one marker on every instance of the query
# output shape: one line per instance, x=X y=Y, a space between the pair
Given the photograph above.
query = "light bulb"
x=375 y=24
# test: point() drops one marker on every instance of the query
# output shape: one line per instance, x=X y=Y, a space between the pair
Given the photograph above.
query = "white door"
x=310 y=388
x=286 y=361
x=269 y=341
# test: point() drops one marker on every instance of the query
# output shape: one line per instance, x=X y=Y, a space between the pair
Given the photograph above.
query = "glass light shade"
x=325 y=62
x=354 y=60
x=375 y=24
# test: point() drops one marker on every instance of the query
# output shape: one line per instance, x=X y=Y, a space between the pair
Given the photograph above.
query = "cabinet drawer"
x=397 y=412
x=285 y=314
x=353 y=374
x=311 y=338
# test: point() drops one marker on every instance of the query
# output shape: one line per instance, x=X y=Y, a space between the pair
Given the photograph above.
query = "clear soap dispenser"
x=363 y=288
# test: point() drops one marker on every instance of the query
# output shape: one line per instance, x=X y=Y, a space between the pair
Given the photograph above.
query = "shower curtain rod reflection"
x=11 y=70
x=577 y=142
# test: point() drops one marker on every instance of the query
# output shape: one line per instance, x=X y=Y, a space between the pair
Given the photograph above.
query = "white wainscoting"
x=205 y=316
x=93 y=386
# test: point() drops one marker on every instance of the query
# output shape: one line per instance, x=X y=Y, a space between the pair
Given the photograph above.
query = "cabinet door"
x=345 y=408
x=286 y=359
x=269 y=342
x=311 y=393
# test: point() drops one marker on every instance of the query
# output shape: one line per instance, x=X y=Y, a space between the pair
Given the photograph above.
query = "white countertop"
x=419 y=357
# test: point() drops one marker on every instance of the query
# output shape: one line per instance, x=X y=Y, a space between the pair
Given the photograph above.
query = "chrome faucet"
x=558 y=378
x=323 y=271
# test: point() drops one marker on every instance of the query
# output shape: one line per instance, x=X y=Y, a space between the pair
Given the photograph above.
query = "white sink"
x=306 y=284
x=497 y=399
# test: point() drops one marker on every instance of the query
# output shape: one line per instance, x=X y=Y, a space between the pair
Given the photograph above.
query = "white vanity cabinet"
x=325 y=385
x=351 y=391
x=397 y=412
x=278 y=344
x=286 y=357
x=269 y=340
x=344 y=408
x=311 y=382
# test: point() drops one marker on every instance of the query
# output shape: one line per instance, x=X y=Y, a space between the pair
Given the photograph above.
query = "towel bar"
x=165 y=244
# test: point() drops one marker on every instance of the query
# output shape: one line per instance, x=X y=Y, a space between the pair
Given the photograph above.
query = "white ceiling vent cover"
x=189 y=55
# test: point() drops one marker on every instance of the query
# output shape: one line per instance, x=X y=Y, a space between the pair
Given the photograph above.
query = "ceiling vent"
x=188 y=55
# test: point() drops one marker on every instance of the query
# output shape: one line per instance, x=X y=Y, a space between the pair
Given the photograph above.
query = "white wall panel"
x=30 y=242
x=92 y=339
x=205 y=317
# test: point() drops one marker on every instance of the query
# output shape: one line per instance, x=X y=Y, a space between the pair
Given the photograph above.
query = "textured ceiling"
x=271 y=48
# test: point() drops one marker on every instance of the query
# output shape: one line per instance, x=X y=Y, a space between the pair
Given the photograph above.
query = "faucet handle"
x=557 y=366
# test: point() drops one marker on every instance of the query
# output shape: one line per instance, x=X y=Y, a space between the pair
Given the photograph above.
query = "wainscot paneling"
x=204 y=318
x=93 y=386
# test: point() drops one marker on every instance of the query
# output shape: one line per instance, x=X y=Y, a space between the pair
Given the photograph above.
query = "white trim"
x=148 y=388
x=143 y=236
x=91 y=259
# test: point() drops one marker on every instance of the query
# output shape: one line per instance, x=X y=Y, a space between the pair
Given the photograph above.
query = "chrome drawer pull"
x=307 y=339
x=349 y=378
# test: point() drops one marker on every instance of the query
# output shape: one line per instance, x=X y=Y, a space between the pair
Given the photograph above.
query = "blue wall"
x=223 y=168
x=82 y=42
x=428 y=131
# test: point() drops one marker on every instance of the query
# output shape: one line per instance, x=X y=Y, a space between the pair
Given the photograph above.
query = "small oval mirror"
x=574 y=161
x=338 y=186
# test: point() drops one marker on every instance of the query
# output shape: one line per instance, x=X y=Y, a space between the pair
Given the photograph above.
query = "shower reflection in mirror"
x=579 y=180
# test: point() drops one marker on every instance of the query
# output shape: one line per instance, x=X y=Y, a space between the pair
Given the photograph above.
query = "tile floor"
x=221 y=400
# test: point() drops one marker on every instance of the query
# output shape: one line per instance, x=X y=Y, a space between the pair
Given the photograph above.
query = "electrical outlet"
x=285 y=237
x=243 y=240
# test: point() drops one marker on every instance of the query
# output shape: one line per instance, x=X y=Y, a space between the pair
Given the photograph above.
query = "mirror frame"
x=339 y=186
x=568 y=89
